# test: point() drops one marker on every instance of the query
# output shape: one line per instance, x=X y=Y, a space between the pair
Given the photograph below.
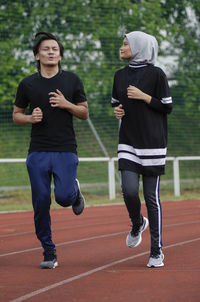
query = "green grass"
x=14 y=141
x=21 y=202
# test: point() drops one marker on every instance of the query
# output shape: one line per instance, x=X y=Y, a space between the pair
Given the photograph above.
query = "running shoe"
x=50 y=261
x=79 y=204
x=134 y=237
x=156 y=260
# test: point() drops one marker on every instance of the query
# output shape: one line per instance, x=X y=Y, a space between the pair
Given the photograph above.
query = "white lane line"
x=180 y=223
x=85 y=225
x=68 y=227
x=91 y=238
x=90 y=272
x=97 y=216
x=65 y=243
x=66 y=219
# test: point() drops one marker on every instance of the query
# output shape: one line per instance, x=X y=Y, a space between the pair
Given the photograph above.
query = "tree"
x=92 y=32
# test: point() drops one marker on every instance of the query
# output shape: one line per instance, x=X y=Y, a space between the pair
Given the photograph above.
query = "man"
x=54 y=97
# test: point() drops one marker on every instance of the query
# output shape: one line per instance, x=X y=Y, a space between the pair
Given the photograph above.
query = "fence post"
x=176 y=177
x=111 y=178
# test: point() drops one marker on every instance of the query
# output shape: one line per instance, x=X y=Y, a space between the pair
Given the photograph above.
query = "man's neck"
x=49 y=71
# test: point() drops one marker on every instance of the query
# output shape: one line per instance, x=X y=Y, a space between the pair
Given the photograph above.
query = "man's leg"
x=38 y=166
x=67 y=188
x=64 y=167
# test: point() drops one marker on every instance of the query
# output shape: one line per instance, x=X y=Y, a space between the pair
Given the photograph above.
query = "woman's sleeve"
x=162 y=102
x=114 y=101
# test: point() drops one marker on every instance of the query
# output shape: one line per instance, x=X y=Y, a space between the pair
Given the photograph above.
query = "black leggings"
x=130 y=190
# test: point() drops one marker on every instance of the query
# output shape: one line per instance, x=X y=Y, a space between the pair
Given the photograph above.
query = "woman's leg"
x=152 y=199
x=130 y=190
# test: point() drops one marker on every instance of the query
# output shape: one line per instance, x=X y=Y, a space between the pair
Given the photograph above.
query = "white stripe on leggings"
x=159 y=211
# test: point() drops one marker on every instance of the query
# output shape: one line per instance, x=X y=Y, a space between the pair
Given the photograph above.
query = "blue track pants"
x=41 y=167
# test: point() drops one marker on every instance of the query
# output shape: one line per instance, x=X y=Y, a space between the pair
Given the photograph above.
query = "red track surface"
x=94 y=263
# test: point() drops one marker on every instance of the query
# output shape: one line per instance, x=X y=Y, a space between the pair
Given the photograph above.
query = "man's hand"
x=36 y=115
x=135 y=93
x=119 y=112
x=80 y=110
x=57 y=99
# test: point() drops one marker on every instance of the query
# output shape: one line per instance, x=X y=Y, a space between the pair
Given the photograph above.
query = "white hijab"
x=144 y=48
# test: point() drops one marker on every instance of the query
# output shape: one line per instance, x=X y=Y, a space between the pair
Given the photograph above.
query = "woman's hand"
x=119 y=112
x=135 y=93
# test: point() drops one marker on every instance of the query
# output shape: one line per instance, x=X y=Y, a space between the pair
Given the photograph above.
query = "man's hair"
x=45 y=36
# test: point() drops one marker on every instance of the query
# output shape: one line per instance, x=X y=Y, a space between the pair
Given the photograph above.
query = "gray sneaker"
x=156 y=260
x=133 y=239
x=50 y=261
x=79 y=204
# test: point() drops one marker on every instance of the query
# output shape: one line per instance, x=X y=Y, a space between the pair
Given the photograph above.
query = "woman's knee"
x=130 y=184
x=130 y=191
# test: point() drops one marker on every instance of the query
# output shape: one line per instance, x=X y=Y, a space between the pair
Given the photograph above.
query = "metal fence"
x=112 y=174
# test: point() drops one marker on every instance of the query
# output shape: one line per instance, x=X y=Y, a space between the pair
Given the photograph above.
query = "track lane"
x=82 y=255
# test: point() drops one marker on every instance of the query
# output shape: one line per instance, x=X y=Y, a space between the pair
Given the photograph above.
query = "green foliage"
x=92 y=32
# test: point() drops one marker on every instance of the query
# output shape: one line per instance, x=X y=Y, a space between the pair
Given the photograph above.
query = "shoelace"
x=135 y=230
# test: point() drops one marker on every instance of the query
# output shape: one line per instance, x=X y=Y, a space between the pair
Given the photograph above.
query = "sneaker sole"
x=80 y=211
x=46 y=266
x=159 y=265
x=73 y=207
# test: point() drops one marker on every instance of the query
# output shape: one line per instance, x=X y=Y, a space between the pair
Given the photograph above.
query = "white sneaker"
x=156 y=260
x=134 y=238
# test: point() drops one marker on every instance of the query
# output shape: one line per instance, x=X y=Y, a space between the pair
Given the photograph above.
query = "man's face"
x=48 y=53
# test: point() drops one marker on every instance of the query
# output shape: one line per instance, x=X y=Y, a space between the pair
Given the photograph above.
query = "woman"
x=142 y=100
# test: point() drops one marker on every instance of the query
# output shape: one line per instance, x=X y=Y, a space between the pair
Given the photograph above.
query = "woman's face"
x=125 y=50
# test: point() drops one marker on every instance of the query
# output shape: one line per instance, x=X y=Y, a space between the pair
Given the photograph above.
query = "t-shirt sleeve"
x=114 y=99
x=162 y=101
x=79 y=94
x=21 y=99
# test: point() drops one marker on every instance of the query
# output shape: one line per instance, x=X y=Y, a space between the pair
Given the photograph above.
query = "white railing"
x=176 y=171
x=111 y=169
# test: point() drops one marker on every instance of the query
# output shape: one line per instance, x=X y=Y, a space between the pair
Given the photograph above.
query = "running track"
x=94 y=263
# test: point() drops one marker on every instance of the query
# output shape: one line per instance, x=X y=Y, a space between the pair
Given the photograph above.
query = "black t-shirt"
x=55 y=132
x=143 y=131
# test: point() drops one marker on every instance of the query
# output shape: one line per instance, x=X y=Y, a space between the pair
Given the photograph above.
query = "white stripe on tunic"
x=142 y=152
x=166 y=100
x=114 y=101
x=141 y=161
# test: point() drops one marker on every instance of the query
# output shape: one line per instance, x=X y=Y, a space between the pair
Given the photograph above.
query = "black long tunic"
x=143 y=132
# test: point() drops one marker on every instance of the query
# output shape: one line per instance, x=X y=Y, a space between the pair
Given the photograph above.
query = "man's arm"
x=80 y=110
x=21 y=118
